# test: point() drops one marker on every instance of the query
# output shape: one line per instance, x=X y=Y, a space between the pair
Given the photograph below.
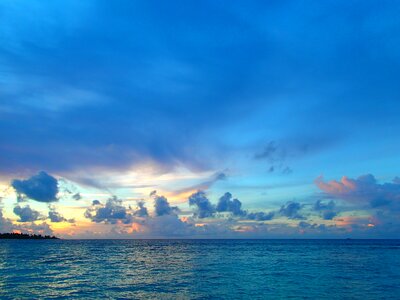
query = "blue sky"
x=255 y=99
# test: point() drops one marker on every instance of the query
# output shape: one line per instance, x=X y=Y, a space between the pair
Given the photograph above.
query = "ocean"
x=200 y=269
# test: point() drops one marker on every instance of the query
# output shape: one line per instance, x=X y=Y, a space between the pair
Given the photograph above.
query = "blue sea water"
x=200 y=269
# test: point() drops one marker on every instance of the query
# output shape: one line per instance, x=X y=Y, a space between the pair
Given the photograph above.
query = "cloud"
x=6 y=225
x=56 y=217
x=141 y=210
x=77 y=196
x=381 y=202
x=162 y=207
x=303 y=224
x=88 y=181
x=279 y=154
x=168 y=225
x=270 y=152
x=319 y=205
x=203 y=186
x=227 y=204
x=326 y=209
x=328 y=214
x=287 y=171
x=276 y=156
x=127 y=222
x=165 y=222
x=112 y=212
x=204 y=208
x=291 y=210
x=26 y=214
x=41 y=187
x=306 y=225
x=261 y=216
x=364 y=190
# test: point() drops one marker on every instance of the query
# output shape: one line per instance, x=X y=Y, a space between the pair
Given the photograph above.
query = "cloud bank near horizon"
x=324 y=216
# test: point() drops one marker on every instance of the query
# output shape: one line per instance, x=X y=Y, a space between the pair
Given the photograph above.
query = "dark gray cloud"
x=204 y=208
x=319 y=205
x=96 y=202
x=303 y=224
x=56 y=217
x=291 y=210
x=141 y=210
x=77 y=196
x=261 y=216
x=162 y=207
x=328 y=214
x=314 y=226
x=26 y=214
x=227 y=204
x=41 y=187
x=326 y=210
x=112 y=212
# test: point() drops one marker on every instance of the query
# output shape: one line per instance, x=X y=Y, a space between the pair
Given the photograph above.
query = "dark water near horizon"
x=200 y=269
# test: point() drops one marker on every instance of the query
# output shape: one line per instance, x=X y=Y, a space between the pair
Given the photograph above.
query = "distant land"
x=25 y=236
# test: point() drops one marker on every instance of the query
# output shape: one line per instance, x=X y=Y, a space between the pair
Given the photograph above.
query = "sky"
x=200 y=119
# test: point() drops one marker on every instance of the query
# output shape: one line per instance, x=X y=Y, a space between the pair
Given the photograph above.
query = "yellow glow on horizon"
x=243 y=228
x=60 y=226
x=178 y=198
x=6 y=190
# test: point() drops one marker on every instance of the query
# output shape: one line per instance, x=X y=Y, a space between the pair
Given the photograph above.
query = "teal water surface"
x=200 y=269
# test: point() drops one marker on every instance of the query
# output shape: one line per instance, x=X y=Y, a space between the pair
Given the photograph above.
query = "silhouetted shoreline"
x=25 y=236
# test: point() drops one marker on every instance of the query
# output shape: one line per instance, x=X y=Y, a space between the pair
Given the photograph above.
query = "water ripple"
x=199 y=269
